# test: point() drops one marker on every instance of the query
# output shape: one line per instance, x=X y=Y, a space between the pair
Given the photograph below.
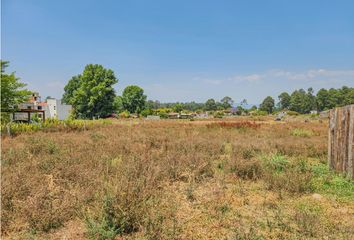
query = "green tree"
x=267 y=104
x=91 y=93
x=12 y=91
x=284 y=100
x=118 y=104
x=178 y=107
x=309 y=102
x=210 y=105
x=133 y=99
x=227 y=102
x=298 y=101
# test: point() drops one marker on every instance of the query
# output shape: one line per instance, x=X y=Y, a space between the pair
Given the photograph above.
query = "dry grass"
x=174 y=180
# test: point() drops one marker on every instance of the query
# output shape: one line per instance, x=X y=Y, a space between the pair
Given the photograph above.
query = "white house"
x=56 y=109
x=51 y=108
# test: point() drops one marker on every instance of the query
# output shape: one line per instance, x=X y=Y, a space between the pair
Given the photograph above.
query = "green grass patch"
x=299 y=132
x=326 y=181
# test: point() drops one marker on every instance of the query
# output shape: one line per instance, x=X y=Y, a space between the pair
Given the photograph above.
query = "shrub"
x=281 y=174
x=292 y=113
x=124 y=114
x=248 y=169
x=327 y=182
x=237 y=125
x=299 y=132
x=218 y=114
x=308 y=218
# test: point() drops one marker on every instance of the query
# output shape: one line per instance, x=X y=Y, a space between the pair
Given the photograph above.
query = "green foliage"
x=210 y=105
x=227 y=102
x=299 y=132
x=267 y=105
x=218 y=114
x=302 y=102
x=108 y=225
x=259 y=113
x=51 y=125
x=284 y=100
x=118 y=104
x=133 y=99
x=178 y=107
x=277 y=163
x=124 y=114
x=147 y=112
x=327 y=182
x=91 y=93
x=12 y=92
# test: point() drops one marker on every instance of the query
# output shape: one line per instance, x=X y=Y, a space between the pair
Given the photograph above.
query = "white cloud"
x=246 y=78
x=213 y=82
x=312 y=74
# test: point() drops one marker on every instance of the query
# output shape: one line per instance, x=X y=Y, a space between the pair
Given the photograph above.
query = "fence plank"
x=341 y=140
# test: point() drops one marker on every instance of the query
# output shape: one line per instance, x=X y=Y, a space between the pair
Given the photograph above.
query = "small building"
x=186 y=116
x=173 y=115
x=51 y=108
x=152 y=117
x=56 y=109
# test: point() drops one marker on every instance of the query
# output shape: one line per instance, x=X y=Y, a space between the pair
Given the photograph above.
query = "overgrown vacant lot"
x=175 y=180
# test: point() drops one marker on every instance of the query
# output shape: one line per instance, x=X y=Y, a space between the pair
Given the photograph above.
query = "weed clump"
x=299 y=132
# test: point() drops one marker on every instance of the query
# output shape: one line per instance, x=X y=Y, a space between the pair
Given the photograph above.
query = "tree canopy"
x=12 y=90
x=133 y=99
x=227 y=102
x=210 y=105
x=91 y=93
x=267 y=104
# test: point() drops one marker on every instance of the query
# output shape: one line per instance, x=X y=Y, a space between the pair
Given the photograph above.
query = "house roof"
x=42 y=104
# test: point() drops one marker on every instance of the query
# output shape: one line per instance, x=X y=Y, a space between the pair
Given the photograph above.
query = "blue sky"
x=183 y=50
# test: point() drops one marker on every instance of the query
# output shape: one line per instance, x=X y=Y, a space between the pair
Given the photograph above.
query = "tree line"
x=302 y=101
x=92 y=95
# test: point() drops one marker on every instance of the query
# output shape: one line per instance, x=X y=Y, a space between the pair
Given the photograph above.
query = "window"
x=39 y=107
x=54 y=107
x=28 y=107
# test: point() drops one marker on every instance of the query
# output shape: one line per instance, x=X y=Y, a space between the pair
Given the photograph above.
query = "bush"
x=218 y=114
x=258 y=113
x=299 y=132
x=307 y=216
x=293 y=177
x=292 y=113
x=124 y=114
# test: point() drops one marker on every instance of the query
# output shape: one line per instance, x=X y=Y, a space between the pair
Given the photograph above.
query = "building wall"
x=51 y=108
x=58 y=110
x=63 y=110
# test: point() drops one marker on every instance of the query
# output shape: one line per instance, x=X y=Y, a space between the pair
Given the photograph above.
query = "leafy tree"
x=133 y=99
x=227 y=102
x=210 y=105
x=91 y=93
x=267 y=104
x=178 y=107
x=349 y=97
x=118 y=104
x=70 y=88
x=12 y=91
x=284 y=100
x=298 y=101
x=310 y=101
x=322 y=99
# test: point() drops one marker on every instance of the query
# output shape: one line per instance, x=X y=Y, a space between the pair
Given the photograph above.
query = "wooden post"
x=341 y=140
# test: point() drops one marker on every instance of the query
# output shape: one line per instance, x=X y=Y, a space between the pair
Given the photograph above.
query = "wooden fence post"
x=341 y=140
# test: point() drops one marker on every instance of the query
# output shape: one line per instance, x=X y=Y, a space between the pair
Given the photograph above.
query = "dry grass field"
x=175 y=179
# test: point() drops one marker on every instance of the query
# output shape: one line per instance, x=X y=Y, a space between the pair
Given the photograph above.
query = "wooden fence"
x=341 y=140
